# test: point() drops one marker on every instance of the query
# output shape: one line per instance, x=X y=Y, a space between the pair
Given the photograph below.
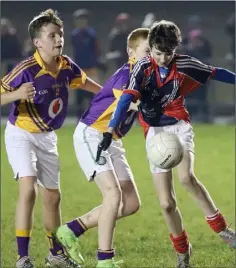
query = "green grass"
x=141 y=240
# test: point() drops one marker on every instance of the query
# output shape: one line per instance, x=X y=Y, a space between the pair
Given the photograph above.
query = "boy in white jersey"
x=112 y=174
x=38 y=88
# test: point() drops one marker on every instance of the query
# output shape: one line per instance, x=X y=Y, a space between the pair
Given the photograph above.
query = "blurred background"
x=95 y=38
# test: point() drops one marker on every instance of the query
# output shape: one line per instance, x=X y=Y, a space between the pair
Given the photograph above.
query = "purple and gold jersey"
x=47 y=110
x=104 y=103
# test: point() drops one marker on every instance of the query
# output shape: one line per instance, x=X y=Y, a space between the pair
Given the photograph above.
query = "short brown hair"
x=164 y=35
x=43 y=19
x=136 y=35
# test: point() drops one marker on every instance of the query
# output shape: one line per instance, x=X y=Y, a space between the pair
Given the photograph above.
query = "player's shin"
x=106 y=222
x=51 y=214
x=178 y=236
x=173 y=221
x=163 y=183
x=24 y=214
x=214 y=218
x=129 y=205
x=194 y=186
x=200 y=195
x=111 y=192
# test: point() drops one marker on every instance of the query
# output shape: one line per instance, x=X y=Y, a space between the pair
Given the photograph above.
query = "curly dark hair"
x=43 y=19
x=164 y=35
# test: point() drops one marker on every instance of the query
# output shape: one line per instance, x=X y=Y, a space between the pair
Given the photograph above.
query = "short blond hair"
x=135 y=36
x=44 y=18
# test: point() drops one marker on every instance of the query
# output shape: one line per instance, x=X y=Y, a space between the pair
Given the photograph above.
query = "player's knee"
x=168 y=205
x=51 y=198
x=188 y=179
x=28 y=196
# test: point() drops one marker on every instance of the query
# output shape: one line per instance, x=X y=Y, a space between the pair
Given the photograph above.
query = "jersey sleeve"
x=224 y=75
x=136 y=81
x=197 y=70
x=78 y=77
x=13 y=80
x=121 y=79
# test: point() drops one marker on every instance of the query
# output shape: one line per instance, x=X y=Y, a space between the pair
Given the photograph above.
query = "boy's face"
x=142 y=50
x=161 y=58
x=50 y=40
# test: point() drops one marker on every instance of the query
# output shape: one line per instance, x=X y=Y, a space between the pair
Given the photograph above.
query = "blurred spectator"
x=230 y=30
x=86 y=54
x=199 y=47
x=11 y=49
x=117 y=40
x=28 y=49
x=194 y=22
x=149 y=19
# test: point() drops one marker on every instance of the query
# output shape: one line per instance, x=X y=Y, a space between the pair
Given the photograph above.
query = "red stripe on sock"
x=180 y=243
x=218 y=223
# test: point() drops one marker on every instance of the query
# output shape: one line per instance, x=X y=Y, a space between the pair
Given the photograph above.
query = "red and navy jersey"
x=163 y=103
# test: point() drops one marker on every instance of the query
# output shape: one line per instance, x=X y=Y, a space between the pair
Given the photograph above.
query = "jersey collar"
x=62 y=65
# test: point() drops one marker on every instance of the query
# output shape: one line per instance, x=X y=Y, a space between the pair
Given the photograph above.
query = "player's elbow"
x=91 y=86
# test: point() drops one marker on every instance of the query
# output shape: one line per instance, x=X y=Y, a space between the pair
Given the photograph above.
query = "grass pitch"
x=141 y=240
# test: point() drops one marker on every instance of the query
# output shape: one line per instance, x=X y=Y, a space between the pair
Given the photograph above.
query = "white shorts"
x=86 y=140
x=182 y=129
x=33 y=154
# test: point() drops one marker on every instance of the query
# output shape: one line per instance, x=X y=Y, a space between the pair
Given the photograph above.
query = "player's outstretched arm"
x=91 y=86
x=132 y=94
x=25 y=91
x=121 y=109
x=224 y=75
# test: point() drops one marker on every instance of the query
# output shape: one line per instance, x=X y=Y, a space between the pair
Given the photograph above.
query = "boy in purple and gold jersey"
x=112 y=174
x=38 y=88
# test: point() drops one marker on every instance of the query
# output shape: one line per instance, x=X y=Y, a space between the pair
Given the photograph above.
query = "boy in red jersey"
x=161 y=81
